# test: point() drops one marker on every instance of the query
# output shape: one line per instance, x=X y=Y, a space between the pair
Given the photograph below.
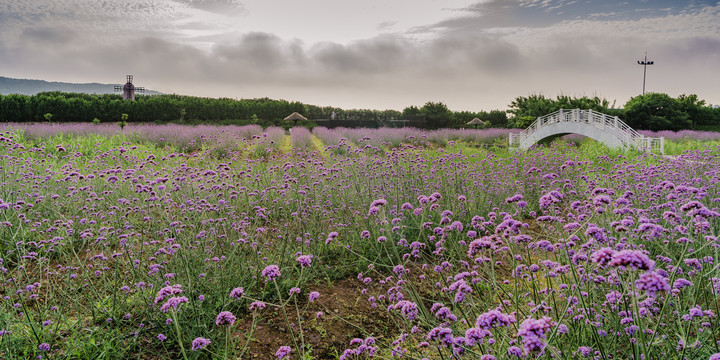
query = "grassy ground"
x=117 y=247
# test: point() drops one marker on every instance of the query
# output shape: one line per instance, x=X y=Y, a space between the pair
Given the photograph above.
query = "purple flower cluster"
x=200 y=343
x=173 y=303
x=282 y=352
x=408 y=309
x=364 y=346
x=167 y=291
x=494 y=318
x=257 y=305
x=533 y=333
x=623 y=259
x=652 y=283
x=304 y=260
x=237 y=293
x=621 y=245
x=225 y=318
x=271 y=272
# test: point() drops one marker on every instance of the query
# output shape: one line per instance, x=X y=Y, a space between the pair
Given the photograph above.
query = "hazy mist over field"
x=472 y=55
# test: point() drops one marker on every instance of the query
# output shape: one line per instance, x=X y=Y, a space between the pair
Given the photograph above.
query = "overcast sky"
x=379 y=54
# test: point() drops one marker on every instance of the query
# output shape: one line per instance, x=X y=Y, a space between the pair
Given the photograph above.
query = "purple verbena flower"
x=257 y=305
x=237 y=293
x=283 y=351
x=304 y=260
x=533 y=331
x=681 y=283
x=515 y=351
x=271 y=272
x=585 y=351
x=167 y=291
x=173 y=303
x=651 y=282
x=475 y=335
x=440 y=333
x=225 y=318
x=602 y=256
x=494 y=318
x=200 y=343
x=635 y=259
x=407 y=308
x=379 y=202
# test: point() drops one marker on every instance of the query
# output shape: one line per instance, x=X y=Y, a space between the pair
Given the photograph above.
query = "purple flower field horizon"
x=127 y=248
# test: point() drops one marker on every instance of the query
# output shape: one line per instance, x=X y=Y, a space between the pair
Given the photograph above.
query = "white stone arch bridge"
x=609 y=130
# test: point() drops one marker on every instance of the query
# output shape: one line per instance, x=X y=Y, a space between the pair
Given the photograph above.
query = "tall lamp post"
x=645 y=62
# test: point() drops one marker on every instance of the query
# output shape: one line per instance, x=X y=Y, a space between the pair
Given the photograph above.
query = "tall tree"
x=437 y=114
x=535 y=105
x=697 y=111
x=15 y=107
x=656 y=111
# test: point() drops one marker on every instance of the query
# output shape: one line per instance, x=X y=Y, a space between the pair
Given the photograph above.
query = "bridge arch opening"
x=565 y=137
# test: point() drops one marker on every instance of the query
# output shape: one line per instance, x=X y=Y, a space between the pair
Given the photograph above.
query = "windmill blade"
x=118 y=88
x=140 y=89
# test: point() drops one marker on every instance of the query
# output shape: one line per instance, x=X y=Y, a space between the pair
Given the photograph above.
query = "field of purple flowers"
x=115 y=247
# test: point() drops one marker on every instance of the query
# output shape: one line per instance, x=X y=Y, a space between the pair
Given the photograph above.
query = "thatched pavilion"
x=295 y=117
x=476 y=122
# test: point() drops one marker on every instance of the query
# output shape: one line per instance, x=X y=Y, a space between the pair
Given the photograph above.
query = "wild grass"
x=116 y=247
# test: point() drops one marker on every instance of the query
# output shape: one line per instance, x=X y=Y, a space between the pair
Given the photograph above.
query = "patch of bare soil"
x=346 y=314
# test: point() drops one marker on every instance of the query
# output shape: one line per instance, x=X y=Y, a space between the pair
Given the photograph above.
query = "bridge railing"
x=515 y=140
x=608 y=123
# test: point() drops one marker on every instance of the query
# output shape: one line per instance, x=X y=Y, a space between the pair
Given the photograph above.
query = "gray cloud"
x=225 y=7
x=49 y=36
x=386 y=25
x=377 y=56
x=472 y=62
x=261 y=51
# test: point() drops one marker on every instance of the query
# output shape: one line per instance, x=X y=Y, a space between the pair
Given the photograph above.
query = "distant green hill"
x=32 y=87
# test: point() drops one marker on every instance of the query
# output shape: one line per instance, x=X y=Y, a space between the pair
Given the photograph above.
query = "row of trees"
x=653 y=111
x=76 y=107
x=437 y=115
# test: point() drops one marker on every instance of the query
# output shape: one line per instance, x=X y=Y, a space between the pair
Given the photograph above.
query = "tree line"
x=653 y=111
x=78 y=107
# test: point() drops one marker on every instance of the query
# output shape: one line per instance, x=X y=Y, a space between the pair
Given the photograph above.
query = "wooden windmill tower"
x=129 y=89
